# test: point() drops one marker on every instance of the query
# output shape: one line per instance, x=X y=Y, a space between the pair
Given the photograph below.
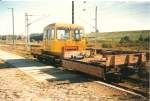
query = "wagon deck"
x=103 y=62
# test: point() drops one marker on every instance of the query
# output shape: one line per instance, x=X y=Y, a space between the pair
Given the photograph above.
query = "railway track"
x=128 y=88
x=132 y=90
x=129 y=85
x=114 y=86
x=137 y=85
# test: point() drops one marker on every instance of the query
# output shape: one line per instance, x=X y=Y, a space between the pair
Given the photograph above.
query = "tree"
x=141 y=38
x=125 y=39
x=147 y=39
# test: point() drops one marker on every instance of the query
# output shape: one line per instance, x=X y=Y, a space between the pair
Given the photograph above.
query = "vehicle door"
x=51 y=37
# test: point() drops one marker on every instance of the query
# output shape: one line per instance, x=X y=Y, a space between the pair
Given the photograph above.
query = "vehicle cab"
x=58 y=38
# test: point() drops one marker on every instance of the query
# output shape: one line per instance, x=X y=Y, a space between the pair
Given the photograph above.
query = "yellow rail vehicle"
x=58 y=39
x=65 y=44
x=58 y=36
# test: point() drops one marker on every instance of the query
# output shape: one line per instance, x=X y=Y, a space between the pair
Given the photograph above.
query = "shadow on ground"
x=71 y=76
x=23 y=63
x=57 y=73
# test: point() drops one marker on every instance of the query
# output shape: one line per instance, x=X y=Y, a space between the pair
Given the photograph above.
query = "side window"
x=52 y=34
x=44 y=36
x=48 y=34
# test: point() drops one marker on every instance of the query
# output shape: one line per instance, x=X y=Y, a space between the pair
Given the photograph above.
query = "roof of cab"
x=63 y=25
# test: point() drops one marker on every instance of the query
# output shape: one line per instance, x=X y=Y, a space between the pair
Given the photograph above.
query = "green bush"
x=125 y=39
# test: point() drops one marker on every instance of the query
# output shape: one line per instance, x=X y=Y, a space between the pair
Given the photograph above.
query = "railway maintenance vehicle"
x=65 y=44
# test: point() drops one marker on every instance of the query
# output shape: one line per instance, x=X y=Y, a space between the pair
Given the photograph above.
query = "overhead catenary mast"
x=13 y=37
x=96 y=29
x=27 y=30
x=26 y=27
x=72 y=12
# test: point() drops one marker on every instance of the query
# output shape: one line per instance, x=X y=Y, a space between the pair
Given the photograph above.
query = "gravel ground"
x=15 y=85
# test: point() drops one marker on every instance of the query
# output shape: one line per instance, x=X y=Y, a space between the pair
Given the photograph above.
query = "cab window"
x=77 y=34
x=62 y=34
x=50 y=34
x=45 y=35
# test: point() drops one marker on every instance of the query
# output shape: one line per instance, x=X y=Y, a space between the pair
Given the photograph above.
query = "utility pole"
x=72 y=12
x=96 y=30
x=27 y=24
x=27 y=30
x=12 y=10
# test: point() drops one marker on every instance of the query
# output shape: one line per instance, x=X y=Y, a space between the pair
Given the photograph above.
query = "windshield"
x=62 y=34
x=77 y=35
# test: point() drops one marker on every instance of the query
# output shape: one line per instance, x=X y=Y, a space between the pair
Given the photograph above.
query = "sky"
x=118 y=15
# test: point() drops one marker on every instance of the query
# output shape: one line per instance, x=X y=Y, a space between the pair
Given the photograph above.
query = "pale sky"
x=118 y=15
